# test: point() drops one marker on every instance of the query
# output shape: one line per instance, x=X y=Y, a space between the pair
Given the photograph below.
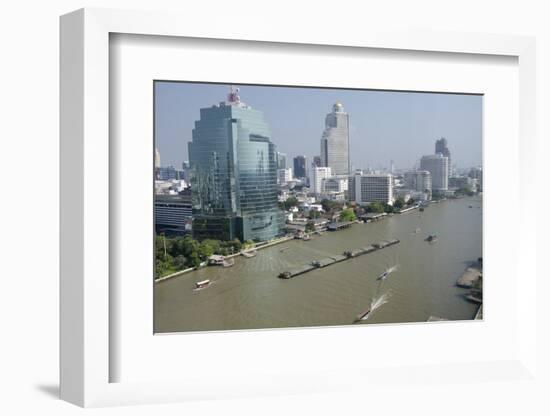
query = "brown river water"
x=249 y=295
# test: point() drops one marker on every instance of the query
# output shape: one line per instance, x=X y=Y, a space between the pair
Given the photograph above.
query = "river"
x=249 y=295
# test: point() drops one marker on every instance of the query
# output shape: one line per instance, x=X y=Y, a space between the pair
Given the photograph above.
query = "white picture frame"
x=86 y=355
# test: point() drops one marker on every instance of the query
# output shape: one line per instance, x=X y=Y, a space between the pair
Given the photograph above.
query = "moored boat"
x=202 y=283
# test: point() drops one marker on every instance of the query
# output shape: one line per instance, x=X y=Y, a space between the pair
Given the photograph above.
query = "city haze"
x=384 y=125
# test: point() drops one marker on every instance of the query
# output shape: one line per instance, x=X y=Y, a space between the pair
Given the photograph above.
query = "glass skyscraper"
x=234 y=174
x=335 y=141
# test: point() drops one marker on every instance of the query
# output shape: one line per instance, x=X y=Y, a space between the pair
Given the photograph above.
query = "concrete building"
x=418 y=180
x=234 y=174
x=284 y=176
x=335 y=184
x=335 y=141
x=173 y=214
x=317 y=177
x=300 y=167
x=438 y=166
x=441 y=146
x=477 y=174
x=365 y=188
x=281 y=160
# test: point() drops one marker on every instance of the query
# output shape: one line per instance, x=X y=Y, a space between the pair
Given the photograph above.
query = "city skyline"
x=384 y=126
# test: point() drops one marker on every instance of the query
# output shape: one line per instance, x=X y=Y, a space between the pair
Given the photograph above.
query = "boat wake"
x=376 y=303
x=387 y=272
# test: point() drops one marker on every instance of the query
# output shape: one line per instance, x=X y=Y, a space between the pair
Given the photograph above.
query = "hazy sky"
x=384 y=126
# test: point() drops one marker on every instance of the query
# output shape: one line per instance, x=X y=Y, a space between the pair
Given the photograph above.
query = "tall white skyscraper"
x=318 y=174
x=335 y=141
x=438 y=166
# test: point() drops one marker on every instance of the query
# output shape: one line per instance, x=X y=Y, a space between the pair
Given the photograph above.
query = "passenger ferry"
x=202 y=283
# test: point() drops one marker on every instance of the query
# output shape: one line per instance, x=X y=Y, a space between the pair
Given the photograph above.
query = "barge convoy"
x=328 y=261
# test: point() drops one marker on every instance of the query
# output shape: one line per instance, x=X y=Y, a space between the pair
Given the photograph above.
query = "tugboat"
x=432 y=238
x=284 y=275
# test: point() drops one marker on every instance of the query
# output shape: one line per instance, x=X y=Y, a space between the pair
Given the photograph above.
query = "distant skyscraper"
x=281 y=160
x=300 y=163
x=365 y=188
x=234 y=174
x=316 y=178
x=335 y=141
x=441 y=147
x=316 y=161
x=438 y=166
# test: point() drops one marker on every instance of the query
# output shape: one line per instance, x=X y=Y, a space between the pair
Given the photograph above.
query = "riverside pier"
x=328 y=261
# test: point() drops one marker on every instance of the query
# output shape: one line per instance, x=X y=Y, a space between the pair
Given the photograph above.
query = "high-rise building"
x=281 y=160
x=335 y=141
x=284 y=176
x=365 y=188
x=317 y=177
x=438 y=166
x=234 y=174
x=316 y=161
x=477 y=174
x=157 y=163
x=442 y=147
x=418 y=180
x=300 y=166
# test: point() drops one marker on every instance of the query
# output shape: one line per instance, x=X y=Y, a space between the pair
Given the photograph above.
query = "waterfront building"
x=365 y=188
x=438 y=166
x=300 y=167
x=335 y=141
x=284 y=176
x=317 y=177
x=477 y=174
x=418 y=180
x=281 y=160
x=234 y=174
x=173 y=214
x=442 y=147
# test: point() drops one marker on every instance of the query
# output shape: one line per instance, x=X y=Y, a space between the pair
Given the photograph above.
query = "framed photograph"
x=240 y=214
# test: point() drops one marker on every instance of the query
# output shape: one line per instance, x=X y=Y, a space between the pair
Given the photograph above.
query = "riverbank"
x=258 y=246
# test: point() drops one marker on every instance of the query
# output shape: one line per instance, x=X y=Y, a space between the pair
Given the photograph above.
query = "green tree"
x=399 y=202
x=347 y=215
x=310 y=226
x=290 y=202
x=375 y=207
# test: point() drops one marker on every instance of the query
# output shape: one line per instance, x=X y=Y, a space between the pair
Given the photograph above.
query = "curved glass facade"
x=234 y=175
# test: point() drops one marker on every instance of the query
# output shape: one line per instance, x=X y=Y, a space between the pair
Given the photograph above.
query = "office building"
x=234 y=174
x=300 y=167
x=438 y=166
x=335 y=141
x=317 y=177
x=281 y=160
x=284 y=176
x=477 y=174
x=365 y=188
x=441 y=146
x=173 y=214
x=419 y=180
